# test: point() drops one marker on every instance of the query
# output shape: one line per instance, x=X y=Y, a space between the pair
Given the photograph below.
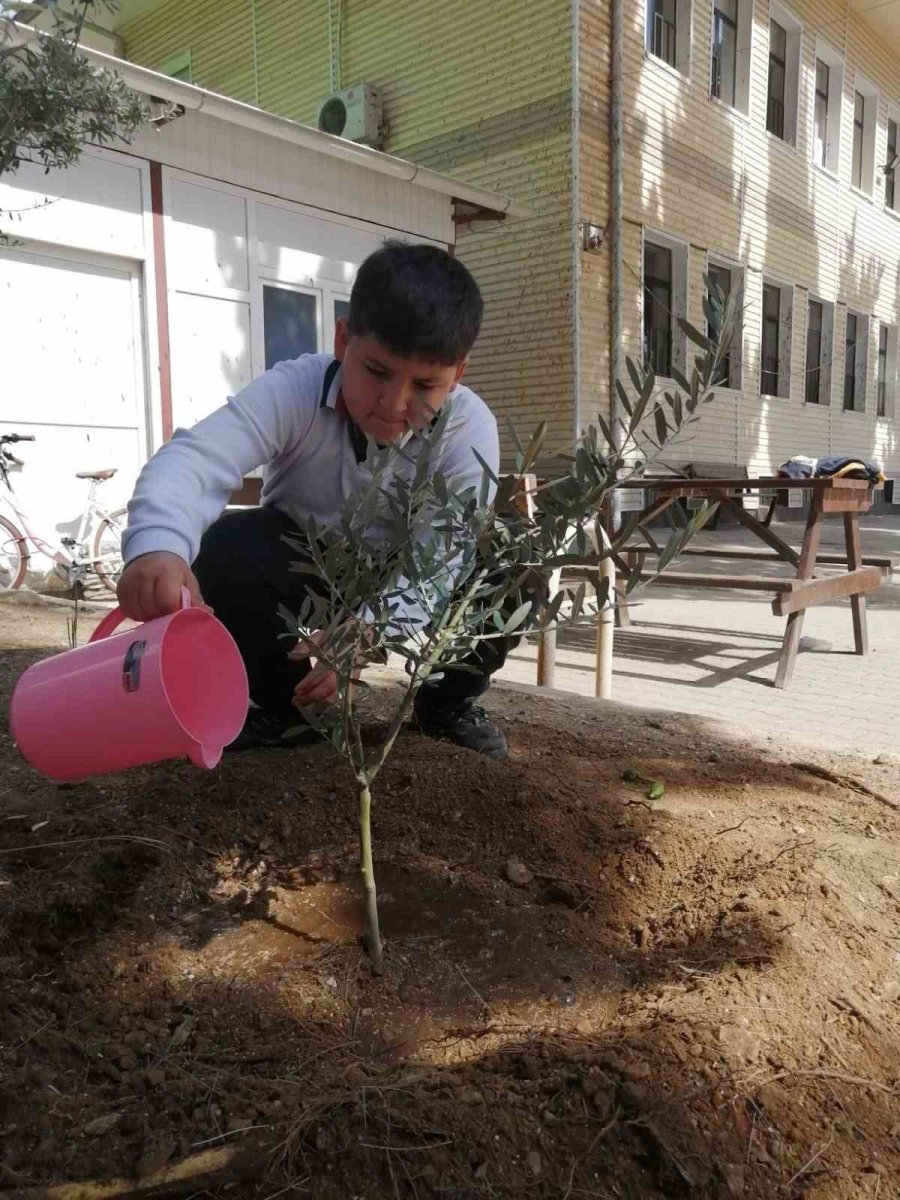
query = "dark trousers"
x=244 y=572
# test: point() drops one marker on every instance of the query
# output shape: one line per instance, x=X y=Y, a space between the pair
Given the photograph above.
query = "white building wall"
x=82 y=368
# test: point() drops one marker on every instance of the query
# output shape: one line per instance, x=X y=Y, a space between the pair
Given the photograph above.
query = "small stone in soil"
x=534 y=1163
x=517 y=873
x=102 y=1124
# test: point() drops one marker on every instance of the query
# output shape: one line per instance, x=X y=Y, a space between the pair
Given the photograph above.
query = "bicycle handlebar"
x=16 y=437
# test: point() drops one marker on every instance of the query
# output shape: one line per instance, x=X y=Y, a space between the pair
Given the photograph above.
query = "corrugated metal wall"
x=218 y=33
x=491 y=104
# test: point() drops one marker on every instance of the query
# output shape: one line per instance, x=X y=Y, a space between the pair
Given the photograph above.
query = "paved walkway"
x=714 y=653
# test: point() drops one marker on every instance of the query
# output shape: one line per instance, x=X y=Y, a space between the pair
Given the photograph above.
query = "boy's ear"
x=460 y=371
x=341 y=338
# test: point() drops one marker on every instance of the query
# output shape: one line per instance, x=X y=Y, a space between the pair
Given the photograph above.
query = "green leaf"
x=519 y=616
x=662 y=425
x=489 y=471
x=681 y=380
x=534 y=446
x=694 y=334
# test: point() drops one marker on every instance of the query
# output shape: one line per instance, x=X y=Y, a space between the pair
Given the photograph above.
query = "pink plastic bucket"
x=172 y=687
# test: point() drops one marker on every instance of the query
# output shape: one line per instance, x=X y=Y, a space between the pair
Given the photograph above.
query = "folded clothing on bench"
x=833 y=466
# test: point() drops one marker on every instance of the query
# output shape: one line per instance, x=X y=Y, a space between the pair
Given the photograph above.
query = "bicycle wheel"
x=13 y=556
x=107 y=548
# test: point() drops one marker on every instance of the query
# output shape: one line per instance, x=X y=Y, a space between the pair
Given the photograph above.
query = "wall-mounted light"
x=163 y=111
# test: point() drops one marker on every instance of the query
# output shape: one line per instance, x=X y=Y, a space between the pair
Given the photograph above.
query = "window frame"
x=738 y=272
x=680 y=265
x=860 y=371
x=783 y=17
x=862 y=87
x=176 y=65
x=682 y=26
x=826 y=353
x=785 y=321
x=743 y=58
x=893 y=118
x=267 y=279
x=886 y=403
x=826 y=54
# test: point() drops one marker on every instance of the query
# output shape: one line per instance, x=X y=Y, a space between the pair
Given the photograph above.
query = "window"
x=658 y=308
x=819 y=343
x=725 y=279
x=178 y=67
x=784 y=74
x=730 y=67
x=882 y=370
x=662 y=29
x=775 y=359
x=891 y=166
x=290 y=323
x=777 y=79
x=669 y=32
x=665 y=293
x=859 y=127
x=827 y=95
x=865 y=119
x=724 y=52
x=820 y=113
x=855 y=362
x=887 y=369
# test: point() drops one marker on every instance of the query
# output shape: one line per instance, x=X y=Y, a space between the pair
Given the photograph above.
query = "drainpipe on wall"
x=615 y=304
x=334 y=42
x=576 y=219
x=255 y=52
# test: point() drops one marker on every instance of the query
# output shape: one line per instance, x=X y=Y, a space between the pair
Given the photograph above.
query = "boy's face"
x=386 y=394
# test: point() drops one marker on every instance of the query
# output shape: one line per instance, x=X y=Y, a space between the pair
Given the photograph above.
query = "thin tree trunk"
x=373 y=934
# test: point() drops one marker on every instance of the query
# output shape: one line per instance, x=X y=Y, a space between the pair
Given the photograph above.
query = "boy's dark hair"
x=418 y=301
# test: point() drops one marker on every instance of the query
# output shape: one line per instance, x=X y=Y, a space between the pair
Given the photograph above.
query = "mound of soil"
x=587 y=993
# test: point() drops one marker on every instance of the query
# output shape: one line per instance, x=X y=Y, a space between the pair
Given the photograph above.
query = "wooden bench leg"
x=623 y=615
x=794 y=630
x=858 y=603
x=546 y=655
x=546 y=661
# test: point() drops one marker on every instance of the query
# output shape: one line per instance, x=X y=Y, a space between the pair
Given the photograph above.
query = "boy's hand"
x=320 y=686
x=150 y=586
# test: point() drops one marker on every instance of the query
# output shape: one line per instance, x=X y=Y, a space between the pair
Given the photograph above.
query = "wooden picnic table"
x=793 y=595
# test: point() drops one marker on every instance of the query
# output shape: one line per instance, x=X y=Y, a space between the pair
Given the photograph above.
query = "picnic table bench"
x=793 y=595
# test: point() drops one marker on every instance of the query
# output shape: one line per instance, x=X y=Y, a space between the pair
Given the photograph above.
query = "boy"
x=415 y=313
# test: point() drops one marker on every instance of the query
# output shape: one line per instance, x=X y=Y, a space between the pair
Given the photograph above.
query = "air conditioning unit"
x=355 y=114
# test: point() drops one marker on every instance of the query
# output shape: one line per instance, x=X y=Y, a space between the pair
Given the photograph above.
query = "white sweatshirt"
x=285 y=423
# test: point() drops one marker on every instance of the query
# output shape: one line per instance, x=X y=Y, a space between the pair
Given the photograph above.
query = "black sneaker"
x=466 y=724
x=268 y=731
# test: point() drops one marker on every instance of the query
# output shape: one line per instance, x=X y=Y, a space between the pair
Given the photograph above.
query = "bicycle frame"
x=60 y=553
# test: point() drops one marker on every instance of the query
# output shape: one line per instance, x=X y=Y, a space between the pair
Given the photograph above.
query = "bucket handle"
x=113 y=620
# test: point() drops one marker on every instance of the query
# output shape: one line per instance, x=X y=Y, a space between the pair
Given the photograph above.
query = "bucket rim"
x=195 y=614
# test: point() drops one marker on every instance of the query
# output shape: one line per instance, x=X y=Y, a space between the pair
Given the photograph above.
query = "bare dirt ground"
x=692 y=996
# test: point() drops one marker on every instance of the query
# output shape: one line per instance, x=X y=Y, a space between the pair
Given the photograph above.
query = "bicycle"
x=73 y=558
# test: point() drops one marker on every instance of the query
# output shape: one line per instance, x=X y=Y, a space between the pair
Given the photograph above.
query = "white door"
x=72 y=374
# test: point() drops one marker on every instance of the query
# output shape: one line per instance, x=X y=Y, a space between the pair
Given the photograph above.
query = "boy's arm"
x=188 y=482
